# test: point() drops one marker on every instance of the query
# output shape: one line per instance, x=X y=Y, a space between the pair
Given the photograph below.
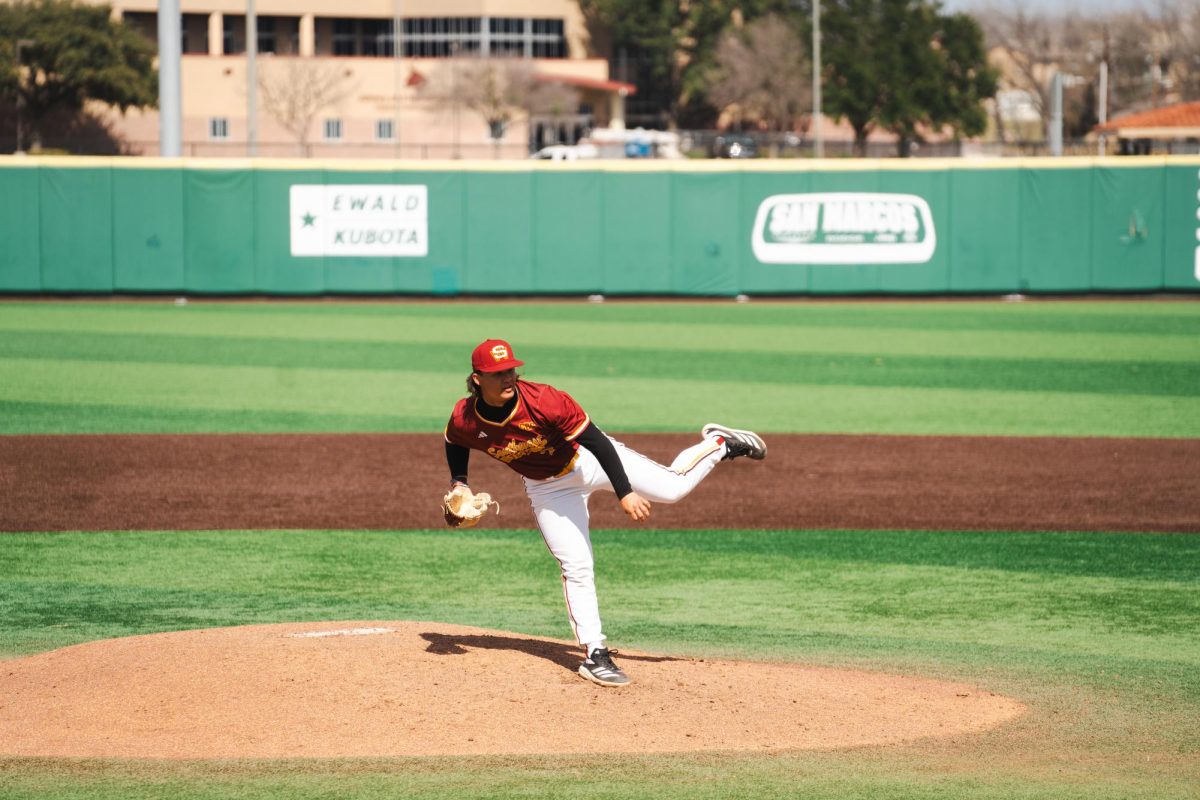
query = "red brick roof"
x=615 y=87
x=1180 y=115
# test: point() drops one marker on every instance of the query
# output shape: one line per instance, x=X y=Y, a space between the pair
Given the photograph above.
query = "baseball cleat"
x=737 y=442
x=599 y=668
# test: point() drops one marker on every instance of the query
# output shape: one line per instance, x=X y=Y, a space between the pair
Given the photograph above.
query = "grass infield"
x=1095 y=632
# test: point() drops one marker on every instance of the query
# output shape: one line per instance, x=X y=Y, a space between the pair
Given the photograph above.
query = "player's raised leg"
x=737 y=442
x=663 y=484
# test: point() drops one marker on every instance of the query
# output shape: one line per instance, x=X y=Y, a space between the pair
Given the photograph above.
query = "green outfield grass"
x=1095 y=632
x=1033 y=368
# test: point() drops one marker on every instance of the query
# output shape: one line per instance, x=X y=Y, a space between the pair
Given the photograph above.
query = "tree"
x=1184 y=51
x=762 y=72
x=901 y=66
x=71 y=54
x=1138 y=48
x=966 y=78
x=294 y=91
x=499 y=90
x=1153 y=57
x=672 y=44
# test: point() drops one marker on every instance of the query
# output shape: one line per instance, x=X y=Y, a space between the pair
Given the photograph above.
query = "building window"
x=520 y=36
x=218 y=129
x=194 y=29
x=233 y=34
x=345 y=37
x=507 y=36
x=362 y=37
x=448 y=37
x=385 y=130
x=333 y=130
x=547 y=39
x=267 y=42
x=280 y=35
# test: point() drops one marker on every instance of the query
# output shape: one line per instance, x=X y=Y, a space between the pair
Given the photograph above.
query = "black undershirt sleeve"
x=457 y=457
x=594 y=440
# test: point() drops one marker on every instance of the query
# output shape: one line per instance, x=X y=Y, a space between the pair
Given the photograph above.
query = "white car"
x=566 y=152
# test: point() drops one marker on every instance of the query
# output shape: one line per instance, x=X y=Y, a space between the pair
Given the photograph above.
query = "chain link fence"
x=693 y=144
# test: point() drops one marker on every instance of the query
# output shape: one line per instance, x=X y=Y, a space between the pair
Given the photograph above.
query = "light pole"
x=21 y=45
x=170 y=109
x=398 y=55
x=454 y=94
x=818 y=138
x=251 y=79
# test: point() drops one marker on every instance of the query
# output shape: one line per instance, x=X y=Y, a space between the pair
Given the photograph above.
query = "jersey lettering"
x=537 y=439
x=514 y=450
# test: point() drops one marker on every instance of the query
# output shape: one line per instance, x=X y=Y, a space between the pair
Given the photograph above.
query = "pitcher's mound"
x=346 y=689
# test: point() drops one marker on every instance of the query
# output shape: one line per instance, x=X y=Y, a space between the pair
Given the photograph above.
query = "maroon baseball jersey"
x=538 y=438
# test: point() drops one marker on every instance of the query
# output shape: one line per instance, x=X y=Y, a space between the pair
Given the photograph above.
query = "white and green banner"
x=359 y=220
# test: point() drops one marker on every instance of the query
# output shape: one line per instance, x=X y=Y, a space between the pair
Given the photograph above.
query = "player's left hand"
x=636 y=506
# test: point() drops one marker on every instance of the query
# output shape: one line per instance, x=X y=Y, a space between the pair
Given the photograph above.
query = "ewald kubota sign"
x=844 y=228
x=359 y=220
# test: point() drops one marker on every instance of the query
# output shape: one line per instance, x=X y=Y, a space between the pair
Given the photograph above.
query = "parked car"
x=735 y=145
x=566 y=152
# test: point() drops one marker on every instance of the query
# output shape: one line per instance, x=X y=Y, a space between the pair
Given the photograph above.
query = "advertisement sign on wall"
x=359 y=220
x=844 y=228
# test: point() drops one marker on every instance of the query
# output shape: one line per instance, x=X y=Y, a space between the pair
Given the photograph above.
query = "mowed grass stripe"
x=303 y=324
x=1178 y=317
x=226 y=388
x=629 y=404
x=873 y=595
x=78 y=418
x=1026 y=374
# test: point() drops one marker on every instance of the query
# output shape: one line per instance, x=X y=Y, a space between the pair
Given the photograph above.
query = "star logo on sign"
x=309 y=219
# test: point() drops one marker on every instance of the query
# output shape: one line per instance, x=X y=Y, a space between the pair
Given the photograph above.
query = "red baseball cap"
x=494 y=355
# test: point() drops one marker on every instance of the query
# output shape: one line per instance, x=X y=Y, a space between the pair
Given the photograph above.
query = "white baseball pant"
x=560 y=507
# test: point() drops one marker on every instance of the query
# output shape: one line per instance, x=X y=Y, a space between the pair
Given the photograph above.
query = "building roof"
x=616 y=87
x=1165 y=122
x=416 y=78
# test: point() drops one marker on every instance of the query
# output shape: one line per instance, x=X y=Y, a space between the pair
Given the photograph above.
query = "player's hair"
x=473 y=388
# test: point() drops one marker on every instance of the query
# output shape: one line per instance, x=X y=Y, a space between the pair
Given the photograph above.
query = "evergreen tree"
x=71 y=54
x=673 y=45
x=903 y=67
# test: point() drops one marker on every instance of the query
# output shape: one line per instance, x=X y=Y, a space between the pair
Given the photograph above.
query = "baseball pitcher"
x=538 y=430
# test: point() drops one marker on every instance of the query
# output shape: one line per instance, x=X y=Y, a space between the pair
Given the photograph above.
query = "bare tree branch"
x=294 y=91
x=762 y=74
x=499 y=90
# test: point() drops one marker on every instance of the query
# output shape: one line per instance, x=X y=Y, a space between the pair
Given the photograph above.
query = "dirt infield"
x=372 y=689
x=373 y=481
x=405 y=688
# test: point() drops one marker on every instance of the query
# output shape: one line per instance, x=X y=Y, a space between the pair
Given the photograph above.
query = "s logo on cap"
x=494 y=355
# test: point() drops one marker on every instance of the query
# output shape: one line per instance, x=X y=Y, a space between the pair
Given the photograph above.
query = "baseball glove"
x=462 y=508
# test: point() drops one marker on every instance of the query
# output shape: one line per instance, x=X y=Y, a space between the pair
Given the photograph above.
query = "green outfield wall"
x=689 y=228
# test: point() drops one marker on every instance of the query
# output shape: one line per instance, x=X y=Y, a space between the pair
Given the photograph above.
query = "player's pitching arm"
x=632 y=503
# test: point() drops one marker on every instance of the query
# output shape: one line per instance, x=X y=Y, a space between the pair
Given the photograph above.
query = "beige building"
x=329 y=83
